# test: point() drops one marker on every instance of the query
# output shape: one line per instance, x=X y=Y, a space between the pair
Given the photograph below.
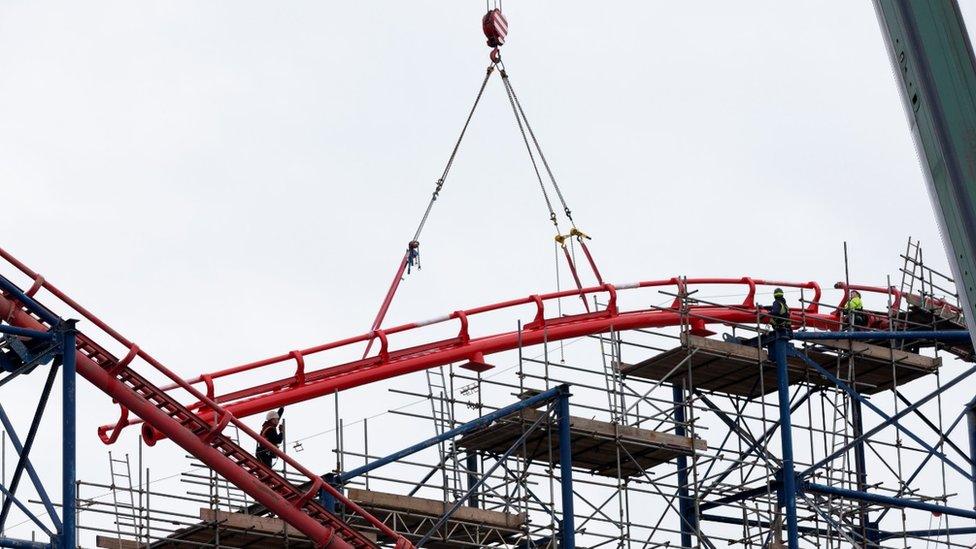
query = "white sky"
x=224 y=181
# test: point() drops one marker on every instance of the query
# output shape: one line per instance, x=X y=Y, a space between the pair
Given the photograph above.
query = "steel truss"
x=23 y=352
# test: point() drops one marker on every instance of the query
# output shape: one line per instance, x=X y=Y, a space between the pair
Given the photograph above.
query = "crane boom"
x=933 y=60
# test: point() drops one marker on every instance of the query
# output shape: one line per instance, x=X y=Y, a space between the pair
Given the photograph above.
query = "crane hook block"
x=495 y=26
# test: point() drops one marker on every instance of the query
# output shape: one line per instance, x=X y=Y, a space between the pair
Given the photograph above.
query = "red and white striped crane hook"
x=495 y=27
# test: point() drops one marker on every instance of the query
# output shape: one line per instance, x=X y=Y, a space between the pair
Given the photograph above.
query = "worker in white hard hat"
x=273 y=433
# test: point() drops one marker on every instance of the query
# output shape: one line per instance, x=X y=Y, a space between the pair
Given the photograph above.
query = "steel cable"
x=450 y=160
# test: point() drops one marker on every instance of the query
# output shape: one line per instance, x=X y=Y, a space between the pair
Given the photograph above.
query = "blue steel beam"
x=471 y=468
x=69 y=534
x=860 y=465
x=24 y=332
x=936 y=532
x=778 y=349
x=486 y=419
x=902 y=503
x=685 y=508
x=35 y=479
x=27 y=301
x=954 y=336
x=889 y=420
x=28 y=443
x=568 y=533
x=935 y=429
x=761 y=524
x=23 y=509
x=921 y=466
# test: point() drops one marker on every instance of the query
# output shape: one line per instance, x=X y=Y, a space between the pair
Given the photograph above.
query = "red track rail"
x=200 y=433
x=305 y=385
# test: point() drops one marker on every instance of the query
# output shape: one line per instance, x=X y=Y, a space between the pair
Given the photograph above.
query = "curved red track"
x=387 y=363
x=198 y=426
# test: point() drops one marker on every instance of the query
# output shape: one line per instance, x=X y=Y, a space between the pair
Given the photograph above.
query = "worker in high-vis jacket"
x=854 y=310
x=274 y=434
x=779 y=313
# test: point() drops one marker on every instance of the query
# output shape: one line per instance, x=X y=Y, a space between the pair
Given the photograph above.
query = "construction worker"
x=779 y=313
x=854 y=310
x=273 y=433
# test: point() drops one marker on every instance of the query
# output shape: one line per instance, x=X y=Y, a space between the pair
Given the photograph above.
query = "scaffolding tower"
x=844 y=436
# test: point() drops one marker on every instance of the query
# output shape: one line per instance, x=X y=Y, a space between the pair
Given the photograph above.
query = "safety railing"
x=682 y=287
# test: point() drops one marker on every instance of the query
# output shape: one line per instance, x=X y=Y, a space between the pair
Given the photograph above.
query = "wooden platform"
x=594 y=444
x=413 y=517
x=236 y=530
x=735 y=369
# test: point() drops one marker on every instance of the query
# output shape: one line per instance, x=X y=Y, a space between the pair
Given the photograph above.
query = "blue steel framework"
x=29 y=350
x=791 y=484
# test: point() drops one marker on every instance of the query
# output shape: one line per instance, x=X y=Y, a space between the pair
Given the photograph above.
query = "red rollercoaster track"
x=197 y=427
x=304 y=385
x=199 y=434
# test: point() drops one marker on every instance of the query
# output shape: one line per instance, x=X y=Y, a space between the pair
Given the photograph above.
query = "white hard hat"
x=272 y=415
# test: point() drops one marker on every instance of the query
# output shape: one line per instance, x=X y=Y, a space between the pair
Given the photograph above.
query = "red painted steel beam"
x=388 y=364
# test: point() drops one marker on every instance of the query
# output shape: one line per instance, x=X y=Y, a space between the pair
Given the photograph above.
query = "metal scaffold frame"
x=823 y=488
x=799 y=449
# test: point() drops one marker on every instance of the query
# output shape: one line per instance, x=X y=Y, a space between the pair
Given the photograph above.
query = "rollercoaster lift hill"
x=36 y=335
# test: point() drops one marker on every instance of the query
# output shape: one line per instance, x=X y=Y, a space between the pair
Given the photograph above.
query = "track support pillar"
x=778 y=349
x=69 y=536
x=568 y=526
x=685 y=507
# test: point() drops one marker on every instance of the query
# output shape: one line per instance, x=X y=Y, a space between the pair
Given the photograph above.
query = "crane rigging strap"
x=439 y=185
x=495 y=27
x=521 y=126
x=412 y=255
x=526 y=130
x=517 y=105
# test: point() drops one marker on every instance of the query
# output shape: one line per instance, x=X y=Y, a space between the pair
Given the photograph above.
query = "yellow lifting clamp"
x=579 y=234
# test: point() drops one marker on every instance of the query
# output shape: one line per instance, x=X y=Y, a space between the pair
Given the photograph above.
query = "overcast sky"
x=224 y=181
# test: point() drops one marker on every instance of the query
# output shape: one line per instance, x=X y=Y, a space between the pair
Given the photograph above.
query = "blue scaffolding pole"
x=787 y=490
x=69 y=486
x=685 y=507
